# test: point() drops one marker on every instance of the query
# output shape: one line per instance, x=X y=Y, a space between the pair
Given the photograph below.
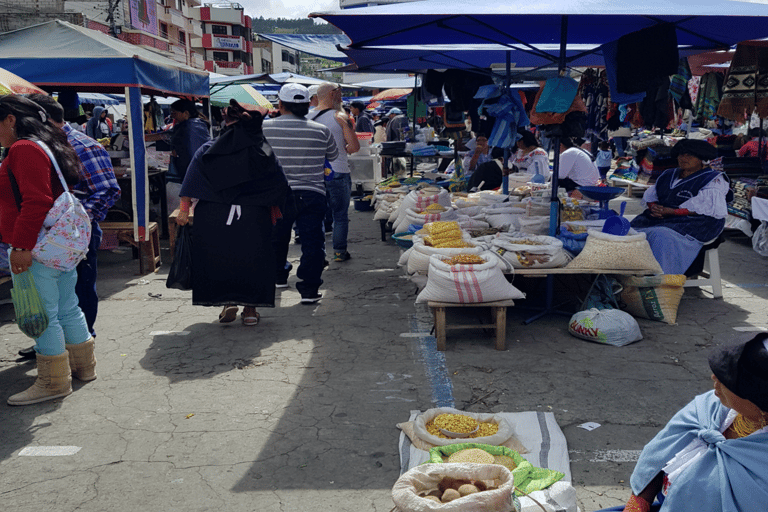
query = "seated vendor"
x=685 y=208
x=488 y=175
x=530 y=158
x=749 y=145
x=711 y=455
x=576 y=167
x=479 y=153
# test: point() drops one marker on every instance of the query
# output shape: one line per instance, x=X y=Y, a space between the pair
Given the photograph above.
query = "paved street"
x=299 y=413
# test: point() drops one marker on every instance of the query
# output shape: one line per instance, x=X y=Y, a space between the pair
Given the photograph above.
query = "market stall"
x=59 y=56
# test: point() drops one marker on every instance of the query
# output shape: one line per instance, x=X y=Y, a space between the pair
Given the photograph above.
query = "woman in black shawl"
x=238 y=183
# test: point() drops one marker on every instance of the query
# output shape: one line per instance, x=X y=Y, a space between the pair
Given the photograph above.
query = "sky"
x=286 y=8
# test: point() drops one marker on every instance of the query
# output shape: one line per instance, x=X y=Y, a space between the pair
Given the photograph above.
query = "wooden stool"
x=149 y=252
x=172 y=228
x=498 y=313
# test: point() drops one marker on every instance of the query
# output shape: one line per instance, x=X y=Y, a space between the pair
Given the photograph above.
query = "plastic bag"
x=180 y=275
x=407 y=491
x=607 y=326
x=31 y=317
x=760 y=239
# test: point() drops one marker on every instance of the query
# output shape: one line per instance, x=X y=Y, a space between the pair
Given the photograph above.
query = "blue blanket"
x=732 y=476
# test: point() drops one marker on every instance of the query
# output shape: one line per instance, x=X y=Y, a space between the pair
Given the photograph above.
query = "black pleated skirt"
x=232 y=263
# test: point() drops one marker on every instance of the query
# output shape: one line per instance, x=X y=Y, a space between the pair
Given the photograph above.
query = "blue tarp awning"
x=432 y=34
x=319 y=45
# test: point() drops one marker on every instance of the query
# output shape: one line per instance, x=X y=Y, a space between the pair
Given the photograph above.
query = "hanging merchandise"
x=557 y=95
x=510 y=117
x=678 y=83
x=593 y=87
x=709 y=96
x=609 y=55
x=645 y=56
x=746 y=85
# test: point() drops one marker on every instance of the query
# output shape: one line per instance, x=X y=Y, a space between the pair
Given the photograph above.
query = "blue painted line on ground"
x=434 y=367
x=751 y=285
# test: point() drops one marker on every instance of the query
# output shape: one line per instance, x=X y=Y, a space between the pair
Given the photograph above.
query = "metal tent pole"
x=507 y=151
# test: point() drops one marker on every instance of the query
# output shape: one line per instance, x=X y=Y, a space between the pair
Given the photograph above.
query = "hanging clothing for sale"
x=678 y=83
x=609 y=55
x=645 y=56
x=594 y=89
x=709 y=96
x=655 y=106
x=510 y=117
x=460 y=87
x=746 y=85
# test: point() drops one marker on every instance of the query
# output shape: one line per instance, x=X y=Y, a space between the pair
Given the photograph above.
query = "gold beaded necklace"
x=743 y=427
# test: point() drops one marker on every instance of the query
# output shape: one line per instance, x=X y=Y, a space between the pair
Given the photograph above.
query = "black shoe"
x=28 y=353
x=326 y=263
x=312 y=298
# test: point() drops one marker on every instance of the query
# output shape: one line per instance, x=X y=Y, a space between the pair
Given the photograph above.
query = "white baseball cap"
x=395 y=111
x=313 y=90
x=294 y=93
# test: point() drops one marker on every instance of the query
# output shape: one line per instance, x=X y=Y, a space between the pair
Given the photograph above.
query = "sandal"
x=229 y=314
x=251 y=320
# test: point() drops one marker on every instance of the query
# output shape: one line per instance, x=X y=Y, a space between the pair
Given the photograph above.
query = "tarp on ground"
x=319 y=45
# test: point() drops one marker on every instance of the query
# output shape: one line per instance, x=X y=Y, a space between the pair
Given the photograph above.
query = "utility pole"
x=112 y=7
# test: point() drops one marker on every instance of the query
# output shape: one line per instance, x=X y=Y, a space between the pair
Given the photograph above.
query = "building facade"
x=226 y=42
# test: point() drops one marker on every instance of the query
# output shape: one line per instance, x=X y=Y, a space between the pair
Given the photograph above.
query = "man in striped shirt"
x=302 y=147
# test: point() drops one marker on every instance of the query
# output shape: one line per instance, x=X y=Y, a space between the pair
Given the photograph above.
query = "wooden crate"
x=149 y=251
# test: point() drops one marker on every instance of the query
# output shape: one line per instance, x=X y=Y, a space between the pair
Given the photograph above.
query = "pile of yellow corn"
x=464 y=259
x=445 y=235
x=435 y=207
x=451 y=422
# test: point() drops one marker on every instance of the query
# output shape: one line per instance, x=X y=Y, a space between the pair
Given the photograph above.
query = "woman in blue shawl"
x=713 y=455
x=686 y=208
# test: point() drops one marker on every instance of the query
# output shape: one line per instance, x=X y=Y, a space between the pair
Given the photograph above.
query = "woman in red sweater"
x=66 y=347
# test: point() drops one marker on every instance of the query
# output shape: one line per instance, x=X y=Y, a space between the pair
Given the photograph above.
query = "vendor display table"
x=149 y=252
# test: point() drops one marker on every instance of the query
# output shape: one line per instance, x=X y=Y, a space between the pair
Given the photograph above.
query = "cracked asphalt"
x=299 y=413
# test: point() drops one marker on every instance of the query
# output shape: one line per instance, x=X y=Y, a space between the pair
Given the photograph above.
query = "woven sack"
x=653 y=297
x=466 y=284
x=550 y=254
x=610 y=252
x=538 y=225
x=418 y=481
x=418 y=260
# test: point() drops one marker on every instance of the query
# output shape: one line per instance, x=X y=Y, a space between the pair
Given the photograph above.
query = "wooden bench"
x=149 y=251
x=498 y=314
x=629 y=185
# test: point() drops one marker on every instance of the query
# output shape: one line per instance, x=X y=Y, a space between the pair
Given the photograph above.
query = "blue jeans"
x=66 y=322
x=339 y=194
x=307 y=210
x=621 y=145
x=87 y=271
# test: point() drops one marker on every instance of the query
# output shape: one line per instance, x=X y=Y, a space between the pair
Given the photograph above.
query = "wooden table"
x=629 y=184
x=149 y=251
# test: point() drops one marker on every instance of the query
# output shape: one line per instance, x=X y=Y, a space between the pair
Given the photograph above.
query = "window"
x=164 y=30
x=219 y=30
x=182 y=37
x=266 y=66
x=221 y=56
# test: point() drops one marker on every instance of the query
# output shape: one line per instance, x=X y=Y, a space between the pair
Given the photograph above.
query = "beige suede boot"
x=82 y=360
x=54 y=380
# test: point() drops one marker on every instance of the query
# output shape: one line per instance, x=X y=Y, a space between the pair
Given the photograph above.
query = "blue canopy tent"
x=549 y=32
x=58 y=56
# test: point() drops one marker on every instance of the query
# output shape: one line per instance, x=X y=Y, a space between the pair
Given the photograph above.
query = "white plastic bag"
x=760 y=239
x=607 y=326
x=502 y=436
x=426 y=477
x=461 y=284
